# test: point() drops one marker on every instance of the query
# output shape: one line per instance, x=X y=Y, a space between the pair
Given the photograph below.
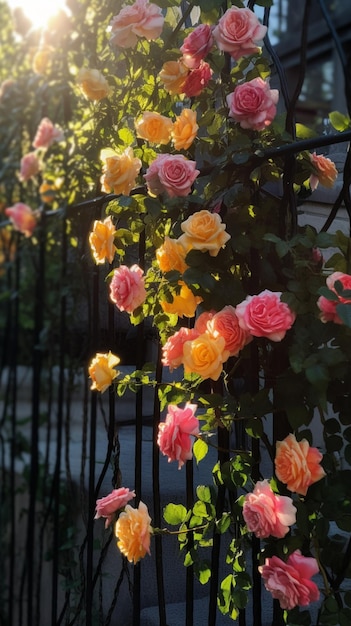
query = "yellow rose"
x=119 y=171
x=184 y=129
x=205 y=356
x=171 y=255
x=184 y=304
x=133 y=531
x=101 y=240
x=42 y=59
x=204 y=231
x=173 y=76
x=154 y=127
x=101 y=370
x=93 y=84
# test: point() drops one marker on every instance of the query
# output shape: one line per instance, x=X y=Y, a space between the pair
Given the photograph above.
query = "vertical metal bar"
x=189 y=608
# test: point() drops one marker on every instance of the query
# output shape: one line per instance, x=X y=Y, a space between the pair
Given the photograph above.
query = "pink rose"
x=22 y=218
x=46 y=134
x=116 y=500
x=238 y=32
x=174 y=434
x=172 y=351
x=265 y=315
x=290 y=582
x=225 y=324
x=173 y=174
x=197 y=45
x=142 y=19
x=127 y=288
x=202 y=321
x=253 y=104
x=267 y=514
x=328 y=307
x=30 y=166
x=197 y=80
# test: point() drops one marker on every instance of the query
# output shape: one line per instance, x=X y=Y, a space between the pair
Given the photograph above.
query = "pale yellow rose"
x=184 y=129
x=173 y=76
x=204 y=231
x=133 y=531
x=119 y=171
x=42 y=59
x=171 y=255
x=101 y=370
x=205 y=356
x=184 y=304
x=101 y=240
x=154 y=127
x=93 y=84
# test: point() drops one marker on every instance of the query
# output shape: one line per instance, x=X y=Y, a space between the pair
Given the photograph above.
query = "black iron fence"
x=61 y=445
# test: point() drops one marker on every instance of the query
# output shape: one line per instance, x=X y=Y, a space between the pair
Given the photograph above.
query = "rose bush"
x=248 y=309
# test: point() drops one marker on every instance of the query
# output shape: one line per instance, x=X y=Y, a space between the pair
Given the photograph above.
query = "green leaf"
x=205 y=493
x=200 y=449
x=344 y=312
x=174 y=514
x=339 y=121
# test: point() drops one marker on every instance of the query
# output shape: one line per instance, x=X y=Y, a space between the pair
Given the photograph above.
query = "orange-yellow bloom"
x=154 y=127
x=184 y=129
x=325 y=171
x=42 y=59
x=204 y=231
x=101 y=240
x=93 y=84
x=205 y=356
x=297 y=465
x=171 y=256
x=133 y=530
x=119 y=171
x=184 y=304
x=101 y=370
x=173 y=76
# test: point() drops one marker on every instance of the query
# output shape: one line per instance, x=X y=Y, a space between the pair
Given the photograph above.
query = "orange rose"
x=173 y=76
x=101 y=240
x=205 y=356
x=102 y=372
x=119 y=171
x=184 y=304
x=171 y=255
x=133 y=532
x=184 y=129
x=325 y=171
x=297 y=465
x=154 y=127
x=204 y=231
x=93 y=84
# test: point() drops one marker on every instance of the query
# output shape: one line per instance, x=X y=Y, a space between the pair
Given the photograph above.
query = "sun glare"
x=38 y=11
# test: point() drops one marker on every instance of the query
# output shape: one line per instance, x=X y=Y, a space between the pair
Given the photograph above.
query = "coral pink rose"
x=328 y=307
x=202 y=320
x=290 y=582
x=225 y=324
x=265 y=315
x=142 y=19
x=127 y=288
x=22 y=218
x=30 y=166
x=174 y=434
x=253 y=104
x=46 y=134
x=325 y=171
x=172 y=174
x=197 y=45
x=267 y=514
x=172 y=351
x=297 y=464
x=197 y=80
x=116 y=500
x=238 y=32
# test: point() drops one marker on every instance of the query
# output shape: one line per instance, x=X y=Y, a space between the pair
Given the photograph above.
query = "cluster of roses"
x=23 y=218
x=266 y=513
